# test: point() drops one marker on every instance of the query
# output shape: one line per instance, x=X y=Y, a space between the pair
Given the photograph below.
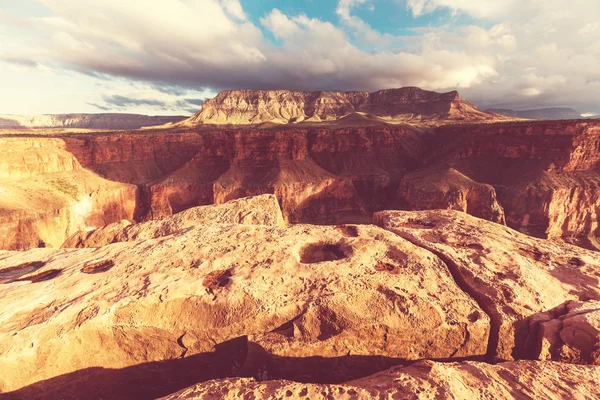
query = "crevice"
x=483 y=303
x=180 y=343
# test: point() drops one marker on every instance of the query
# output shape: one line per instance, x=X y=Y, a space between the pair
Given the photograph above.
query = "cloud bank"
x=517 y=54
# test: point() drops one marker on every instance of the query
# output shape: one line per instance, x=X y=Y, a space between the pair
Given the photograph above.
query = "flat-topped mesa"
x=247 y=107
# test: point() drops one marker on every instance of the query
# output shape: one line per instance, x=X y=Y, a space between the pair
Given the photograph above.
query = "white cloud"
x=234 y=8
x=536 y=52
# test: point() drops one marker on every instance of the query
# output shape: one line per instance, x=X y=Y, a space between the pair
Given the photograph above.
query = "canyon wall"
x=538 y=177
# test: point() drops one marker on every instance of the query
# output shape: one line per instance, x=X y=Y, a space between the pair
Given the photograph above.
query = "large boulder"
x=258 y=210
x=512 y=276
x=312 y=303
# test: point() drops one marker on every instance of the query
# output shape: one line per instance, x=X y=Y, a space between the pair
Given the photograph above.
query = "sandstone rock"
x=449 y=189
x=245 y=107
x=543 y=174
x=304 y=302
x=97 y=237
x=423 y=380
x=512 y=276
x=259 y=210
x=570 y=333
x=43 y=211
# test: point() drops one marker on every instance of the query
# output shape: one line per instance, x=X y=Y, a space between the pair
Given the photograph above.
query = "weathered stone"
x=258 y=210
x=512 y=276
x=423 y=380
x=310 y=301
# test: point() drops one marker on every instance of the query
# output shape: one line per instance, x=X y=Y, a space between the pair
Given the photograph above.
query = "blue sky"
x=165 y=56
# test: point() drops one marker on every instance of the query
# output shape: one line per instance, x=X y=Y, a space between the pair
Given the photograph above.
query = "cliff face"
x=545 y=174
x=539 y=177
x=245 y=107
x=84 y=121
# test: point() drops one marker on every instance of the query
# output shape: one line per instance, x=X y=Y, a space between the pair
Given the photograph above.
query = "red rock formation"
x=541 y=175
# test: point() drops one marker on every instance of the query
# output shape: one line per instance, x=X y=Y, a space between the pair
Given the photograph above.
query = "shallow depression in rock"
x=321 y=252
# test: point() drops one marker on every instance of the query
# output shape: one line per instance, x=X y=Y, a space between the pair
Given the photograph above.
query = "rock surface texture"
x=258 y=210
x=305 y=302
x=423 y=380
x=323 y=305
x=515 y=278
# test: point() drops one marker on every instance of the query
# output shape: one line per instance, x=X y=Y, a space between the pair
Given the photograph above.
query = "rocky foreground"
x=419 y=304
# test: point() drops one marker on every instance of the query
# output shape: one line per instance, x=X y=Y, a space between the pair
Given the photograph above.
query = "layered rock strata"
x=247 y=107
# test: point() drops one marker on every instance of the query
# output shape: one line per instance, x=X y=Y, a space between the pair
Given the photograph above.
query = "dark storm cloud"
x=122 y=101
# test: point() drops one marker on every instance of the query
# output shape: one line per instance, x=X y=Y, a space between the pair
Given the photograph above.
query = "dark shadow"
x=142 y=381
x=236 y=358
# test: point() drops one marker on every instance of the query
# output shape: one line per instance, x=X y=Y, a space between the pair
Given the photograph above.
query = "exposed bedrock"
x=308 y=303
x=513 y=277
x=318 y=175
x=326 y=305
x=422 y=380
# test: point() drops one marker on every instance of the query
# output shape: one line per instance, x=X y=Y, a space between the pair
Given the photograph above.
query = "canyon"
x=537 y=177
x=283 y=244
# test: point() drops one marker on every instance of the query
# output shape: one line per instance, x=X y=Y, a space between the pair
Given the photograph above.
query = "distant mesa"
x=248 y=107
x=112 y=121
x=542 y=113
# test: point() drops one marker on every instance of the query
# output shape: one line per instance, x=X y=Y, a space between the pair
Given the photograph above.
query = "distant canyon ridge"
x=84 y=121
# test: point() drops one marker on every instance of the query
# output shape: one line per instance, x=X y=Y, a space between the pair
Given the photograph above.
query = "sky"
x=164 y=57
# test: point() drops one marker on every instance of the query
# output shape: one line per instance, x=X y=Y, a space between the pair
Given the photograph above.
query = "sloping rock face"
x=449 y=189
x=570 y=333
x=423 y=380
x=317 y=174
x=541 y=178
x=246 y=107
x=46 y=195
x=323 y=305
x=514 y=278
x=310 y=303
x=258 y=210
x=84 y=121
x=545 y=174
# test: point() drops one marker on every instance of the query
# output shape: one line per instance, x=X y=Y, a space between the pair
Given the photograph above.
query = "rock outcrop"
x=247 y=107
x=304 y=302
x=433 y=189
x=513 y=277
x=423 y=380
x=85 y=121
x=540 y=178
x=258 y=210
x=314 y=304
